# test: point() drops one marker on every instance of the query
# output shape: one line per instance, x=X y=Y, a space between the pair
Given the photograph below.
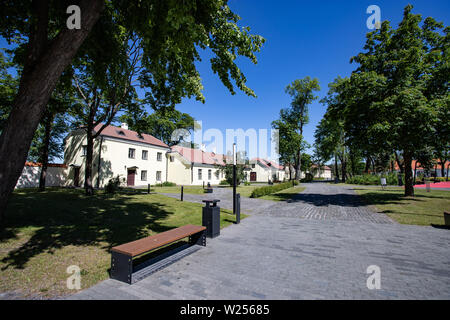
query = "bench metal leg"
x=121 y=267
x=198 y=238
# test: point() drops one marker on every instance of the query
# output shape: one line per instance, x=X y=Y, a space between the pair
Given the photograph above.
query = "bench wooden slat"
x=143 y=245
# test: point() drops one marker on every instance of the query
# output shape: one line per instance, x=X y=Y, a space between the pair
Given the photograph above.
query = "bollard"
x=148 y=191
x=211 y=218
x=447 y=218
x=238 y=208
x=182 y=193
x=428 y=186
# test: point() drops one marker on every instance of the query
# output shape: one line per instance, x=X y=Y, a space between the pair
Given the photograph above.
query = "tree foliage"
x=398 y=97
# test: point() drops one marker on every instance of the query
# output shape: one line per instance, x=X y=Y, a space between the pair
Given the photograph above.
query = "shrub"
x=224 y=183
x=308 y=178
x=113 y=185
x=166 y=184
x=246 y=183
x=371 y=179
x=437 y=179
x=263 y=191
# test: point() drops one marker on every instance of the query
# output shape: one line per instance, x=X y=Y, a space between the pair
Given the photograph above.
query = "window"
x=131 y=153
x=172 y=159
x=253 y=166
x=144 y=175
x=199 y=174
x=84 y=151
x=217 y=174
x=144 y=154
x=209 y=174
x=159 y=156
x=158 y=175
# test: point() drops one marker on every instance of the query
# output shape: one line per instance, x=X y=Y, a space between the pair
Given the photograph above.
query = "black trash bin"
x=211 y=218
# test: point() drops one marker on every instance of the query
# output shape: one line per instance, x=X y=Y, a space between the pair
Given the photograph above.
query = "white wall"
x=56 y=177
x=205 y=168
x=114 y=160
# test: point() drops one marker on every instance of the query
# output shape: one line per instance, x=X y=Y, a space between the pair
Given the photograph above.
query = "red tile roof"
x=38 y=164
x=120 y=133
x=419 y=167
x=269 y=163
x=323 y=167
x=199 y=156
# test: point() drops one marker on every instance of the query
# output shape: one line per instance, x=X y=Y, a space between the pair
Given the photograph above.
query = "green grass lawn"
x=47 y=232
x=284 y=195
x=422 y=209
x=174 y=189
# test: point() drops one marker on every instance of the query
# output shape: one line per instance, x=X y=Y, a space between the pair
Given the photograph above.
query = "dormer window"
x=140 y=136
x=121 y=133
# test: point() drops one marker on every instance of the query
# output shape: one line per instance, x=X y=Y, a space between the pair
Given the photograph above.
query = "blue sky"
x=303 y=38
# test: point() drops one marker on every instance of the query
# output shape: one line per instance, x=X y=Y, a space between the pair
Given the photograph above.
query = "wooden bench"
x=122 y=256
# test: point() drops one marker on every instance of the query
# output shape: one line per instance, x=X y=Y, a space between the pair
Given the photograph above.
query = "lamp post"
x=234 y=178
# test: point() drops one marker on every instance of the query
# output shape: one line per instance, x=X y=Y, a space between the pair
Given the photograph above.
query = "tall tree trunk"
x=298 y=171
x=344 y=170
x=88 y=164
x=400 y=164
x=367 y=167
x=442 y=163
x=38 y=81
x=296 y=166
x=415 y=172
x=409 y=187
x=336 y=169
x=45 y=150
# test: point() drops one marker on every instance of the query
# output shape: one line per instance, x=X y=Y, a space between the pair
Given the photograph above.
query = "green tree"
x=292 y=121
x=8 y=88
x=162 y=124
x=289 y=141
x=302 y=93
x=171 y=34
x=391 y=100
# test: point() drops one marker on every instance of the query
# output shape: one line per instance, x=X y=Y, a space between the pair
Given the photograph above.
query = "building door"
x=76 y=177
x=252 y=176
x=130 y=177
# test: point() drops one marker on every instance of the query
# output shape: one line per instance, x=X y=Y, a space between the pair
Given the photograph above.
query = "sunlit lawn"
x=284 y=195
x=422 y=209
x=177 y=189
x=47 y=232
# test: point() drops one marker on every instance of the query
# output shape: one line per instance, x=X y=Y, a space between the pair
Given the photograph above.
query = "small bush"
x=166 y=184
x=266 y=190
x=224 y=183
x=246 y=183
x=113 y=185
x=375 y=180
x=437 y=179
x=308 y=178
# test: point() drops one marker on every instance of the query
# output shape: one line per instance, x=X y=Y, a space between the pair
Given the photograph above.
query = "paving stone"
x=318 y=246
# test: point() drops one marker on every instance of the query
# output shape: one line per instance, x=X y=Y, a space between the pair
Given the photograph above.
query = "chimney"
x=124 y=126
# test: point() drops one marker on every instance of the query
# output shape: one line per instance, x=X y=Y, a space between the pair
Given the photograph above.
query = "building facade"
x=137 y=159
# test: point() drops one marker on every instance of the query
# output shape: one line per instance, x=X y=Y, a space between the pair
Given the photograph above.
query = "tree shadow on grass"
x=70 y=218
x=324 y=200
